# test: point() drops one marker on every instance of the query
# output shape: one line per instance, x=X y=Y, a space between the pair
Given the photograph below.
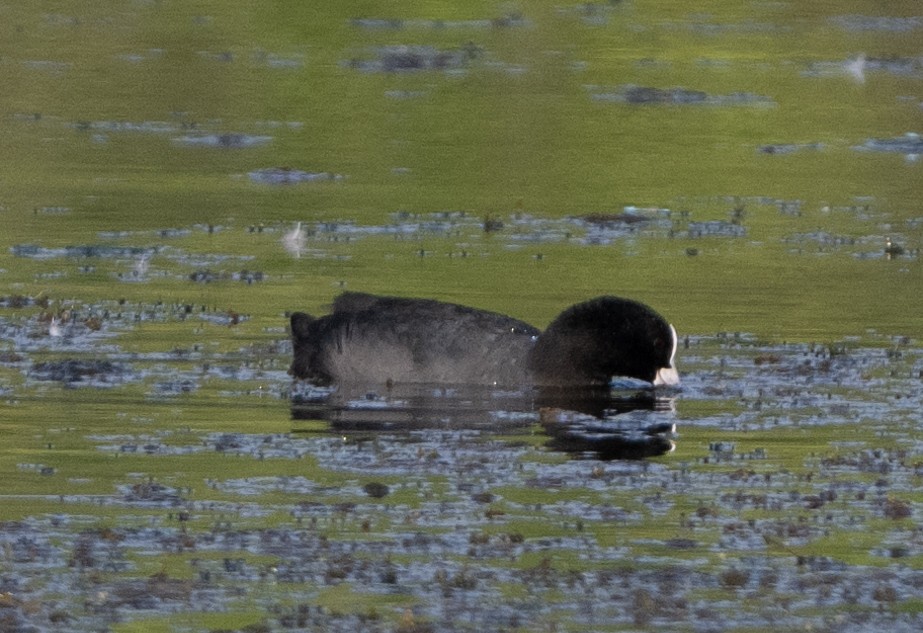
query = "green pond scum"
x=177 y=177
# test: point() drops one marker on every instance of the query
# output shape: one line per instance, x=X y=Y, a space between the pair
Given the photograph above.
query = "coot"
x=377 y=339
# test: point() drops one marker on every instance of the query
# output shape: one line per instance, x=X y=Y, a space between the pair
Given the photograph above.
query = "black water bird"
x=369 y=339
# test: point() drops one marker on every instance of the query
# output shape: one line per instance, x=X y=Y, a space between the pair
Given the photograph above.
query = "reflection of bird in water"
x=575 y=433
x=855 y=68
x=602 y=424
x=293 y=241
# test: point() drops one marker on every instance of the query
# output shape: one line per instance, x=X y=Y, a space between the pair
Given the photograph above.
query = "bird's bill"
x=668 y=376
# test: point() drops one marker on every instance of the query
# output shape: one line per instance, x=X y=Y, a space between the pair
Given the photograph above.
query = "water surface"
x=751 y=170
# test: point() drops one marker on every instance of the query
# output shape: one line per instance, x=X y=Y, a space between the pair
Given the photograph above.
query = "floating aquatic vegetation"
x=268 y=485
x=175 y=387
x=150 y=493
x=716 y=228
x=105 y=251
x=646 y=95
x=594 y=228
x=78 y=370
x=868 y=247
x=841 y=382
x=409 y=58
x=208 y=276
x=228 y=318
x=17 y=301
x=290 y=176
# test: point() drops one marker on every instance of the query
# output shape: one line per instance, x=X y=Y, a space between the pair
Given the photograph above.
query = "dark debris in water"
x=610 y=219
x=647 y=95
x=79 y=370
